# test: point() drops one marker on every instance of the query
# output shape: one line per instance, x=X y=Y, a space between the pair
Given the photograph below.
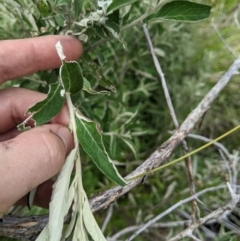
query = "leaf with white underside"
x=43 y=111
x=88 y=88
x=71 y=194
x=44 y=235
x=60 y=52
x=91 y=142
x=71 y=76
x=57 y=206
x=90 y=222
x=60 y=202
x=71 y=225
x=80 y=232
x=31 y=197
x=182 y=11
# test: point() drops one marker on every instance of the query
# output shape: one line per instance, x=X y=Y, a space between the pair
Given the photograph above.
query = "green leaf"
x=107 y=84
x=101 y=58
x=78 y=4
x=182 y=11
x=132 y=147
x=96 y=72
x=60 y=19
x=43 y=8
x=27 y=84
x=60 y=3
x=28 y=18
x=125 y=13
x=23 y=127
x=114 y=29
x=71 y=76
x=91 y=142
x=100 y=31
x=88 y=88
x=43 y=111
x=233 y=238
x=90 y=222
x=117 y=4
x=31 y=7
x=114 y=17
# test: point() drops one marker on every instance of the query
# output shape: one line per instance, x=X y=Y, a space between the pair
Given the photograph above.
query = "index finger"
x=23 y=57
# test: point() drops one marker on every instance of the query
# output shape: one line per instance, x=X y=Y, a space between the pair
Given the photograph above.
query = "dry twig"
x=213 y=215
x=174 y=118
x=155 y=225
x=169 y=210
x=108 y=217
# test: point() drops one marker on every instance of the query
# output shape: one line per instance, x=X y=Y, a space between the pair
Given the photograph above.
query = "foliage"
x=134 y=118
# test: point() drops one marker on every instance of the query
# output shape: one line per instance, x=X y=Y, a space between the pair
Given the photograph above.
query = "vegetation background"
x=135 y=120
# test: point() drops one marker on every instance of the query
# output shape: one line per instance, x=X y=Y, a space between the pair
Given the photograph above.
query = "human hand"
x=31 y=158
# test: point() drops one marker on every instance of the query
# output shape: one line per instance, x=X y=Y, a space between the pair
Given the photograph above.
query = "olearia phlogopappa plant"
x=93 y=22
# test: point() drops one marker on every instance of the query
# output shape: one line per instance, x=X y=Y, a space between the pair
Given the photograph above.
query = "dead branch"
x=171 y=209
x=161 y=155
x=185 y=148
x=213 y=215
x=24 y=228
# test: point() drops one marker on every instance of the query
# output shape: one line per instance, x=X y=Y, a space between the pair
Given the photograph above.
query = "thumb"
x=30 y=159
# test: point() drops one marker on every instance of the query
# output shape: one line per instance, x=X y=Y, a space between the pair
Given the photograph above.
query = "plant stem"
x=79 y=202
x=72 y=124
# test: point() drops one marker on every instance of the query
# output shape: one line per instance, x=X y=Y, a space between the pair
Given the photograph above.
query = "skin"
x=31 y=158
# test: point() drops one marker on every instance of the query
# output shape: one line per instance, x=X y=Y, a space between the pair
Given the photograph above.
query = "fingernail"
x=66 y=136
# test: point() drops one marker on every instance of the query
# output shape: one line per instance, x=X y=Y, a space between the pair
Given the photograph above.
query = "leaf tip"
x=60 y=52
x=62 y=92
